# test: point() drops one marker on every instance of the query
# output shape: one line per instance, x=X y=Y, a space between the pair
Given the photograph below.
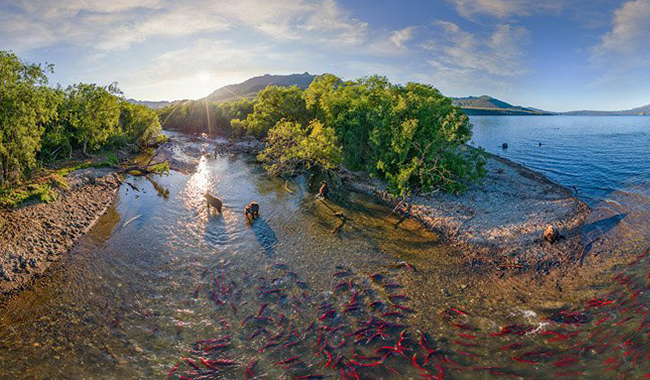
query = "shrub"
x=292 y=148
x=411 y=136
x=27 y=104
x=272 y=105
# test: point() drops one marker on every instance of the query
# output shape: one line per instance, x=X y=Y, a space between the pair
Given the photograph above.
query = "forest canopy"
x=39 y=123
x=409 y=135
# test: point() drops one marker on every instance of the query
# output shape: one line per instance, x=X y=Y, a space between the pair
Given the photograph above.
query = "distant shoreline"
x=485 y=112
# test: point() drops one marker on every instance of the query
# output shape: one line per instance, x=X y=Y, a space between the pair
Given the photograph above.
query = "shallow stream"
x=159 y=286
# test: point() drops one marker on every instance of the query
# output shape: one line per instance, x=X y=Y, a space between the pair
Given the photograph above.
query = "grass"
x=43 y=189
x=14 y=197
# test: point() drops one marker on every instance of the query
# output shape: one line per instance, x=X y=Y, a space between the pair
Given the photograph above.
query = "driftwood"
x=143 y=170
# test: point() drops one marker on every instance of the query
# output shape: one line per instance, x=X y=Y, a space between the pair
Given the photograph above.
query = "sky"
x=556 y=55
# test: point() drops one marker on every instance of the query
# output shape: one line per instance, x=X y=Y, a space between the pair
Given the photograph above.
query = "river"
x=160 y=282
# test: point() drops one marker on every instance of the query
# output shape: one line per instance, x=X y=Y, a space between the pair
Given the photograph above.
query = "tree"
x=139 y=124
x=92 y=113
x=420 y=143
x=197 y=116
x=273 y=104
x=26 y=104
x=292 y=148
x=411 y=136
x=316 y=94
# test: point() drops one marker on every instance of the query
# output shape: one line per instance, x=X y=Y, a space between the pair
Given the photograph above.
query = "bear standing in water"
x=252 y=211
x=214 y=202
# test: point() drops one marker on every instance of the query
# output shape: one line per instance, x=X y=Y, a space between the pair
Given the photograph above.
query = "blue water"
x=598 y=155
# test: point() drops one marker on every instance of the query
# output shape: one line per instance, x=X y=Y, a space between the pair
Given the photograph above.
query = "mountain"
x=152 y=104
x=645 y=110
x=249 y=88
x=486 y=105
x=471 y=105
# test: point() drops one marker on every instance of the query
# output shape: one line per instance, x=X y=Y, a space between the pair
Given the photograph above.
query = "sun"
x=204 y=76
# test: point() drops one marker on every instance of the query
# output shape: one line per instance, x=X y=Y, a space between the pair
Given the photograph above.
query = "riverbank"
x=499 y=222
x=36 y=235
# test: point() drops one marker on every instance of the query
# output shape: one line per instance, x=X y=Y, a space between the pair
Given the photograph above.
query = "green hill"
x=249 y=88
x=486 y=105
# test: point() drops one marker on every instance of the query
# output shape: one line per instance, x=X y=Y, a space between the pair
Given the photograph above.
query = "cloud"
x=496 y=8
x=400 y=37
x=187 y=21
x=499 y=53
x=459 y=61
x=118 y=24
x=627 y=42
x=328 y=18
x=470 y=9
x=196 y=70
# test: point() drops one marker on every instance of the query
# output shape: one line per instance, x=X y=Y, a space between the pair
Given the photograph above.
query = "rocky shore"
x=500 y=221
x=36 y=235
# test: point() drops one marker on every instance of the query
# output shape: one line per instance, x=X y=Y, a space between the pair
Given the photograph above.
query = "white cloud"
x=327 y=18
x=500 y=53
x=509 y=8
x=198 y=69
x=118 y=24
x=402 y=36
x=182 y=22
x=497 y=8
x=462 y=61
x=628 y=39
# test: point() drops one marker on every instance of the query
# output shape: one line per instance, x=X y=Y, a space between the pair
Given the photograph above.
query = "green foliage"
x=419 y=143
x=39 y=122
x=111 y=158
x=57 y=181
x=203 y=117
x=92 y=114
x=139 y=124
x=26 y=104
x=14 y=197
x=292 y=147
x=162 y=168
x=273 y=104
x=411 y=136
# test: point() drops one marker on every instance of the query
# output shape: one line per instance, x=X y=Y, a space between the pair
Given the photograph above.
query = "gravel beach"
x=36 y=235
x=501 y=220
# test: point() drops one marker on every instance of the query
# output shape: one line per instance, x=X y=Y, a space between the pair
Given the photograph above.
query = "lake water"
x=595 y=155
x=161 y=286
x=604 y=160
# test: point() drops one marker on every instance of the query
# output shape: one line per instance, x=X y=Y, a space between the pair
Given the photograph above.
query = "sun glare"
x=204 y=77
